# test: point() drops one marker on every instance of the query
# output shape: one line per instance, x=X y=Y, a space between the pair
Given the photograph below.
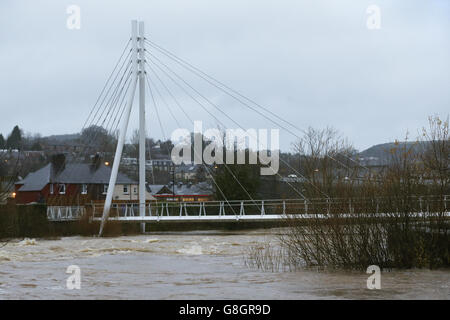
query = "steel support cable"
x=160 y=126
x=120 y=110
x=108 y=105
x=199 y=72
x=118 y=116
x=192 y=122
x=218 y=187
x=185 y=91
x=164 y=137
x=149 y=81
x=126 y=63
x=85 y=146
x=92 y=137
x=113 y=105
x=219 y=121
x=116 y=94
x=195 y=90
x=245 y=190
x=149 y=148
x=249 y=107
x=224 y=91
x=97 y=123
x=117 y=98
x=111 y=85
x=204 y=108
x=156 y=109
x=109 y=78
x=199 y=103
x=118 y=104
x=211 y=80
x=162 y=131
x=170 y=93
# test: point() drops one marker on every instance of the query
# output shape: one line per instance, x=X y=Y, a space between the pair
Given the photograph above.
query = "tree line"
x=394 y=216
x=13 y=141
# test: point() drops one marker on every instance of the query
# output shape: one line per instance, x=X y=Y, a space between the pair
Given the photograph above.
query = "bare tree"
x=436 y=154
x=324 y=160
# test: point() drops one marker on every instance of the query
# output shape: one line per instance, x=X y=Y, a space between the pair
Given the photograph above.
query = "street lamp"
x=172 y=171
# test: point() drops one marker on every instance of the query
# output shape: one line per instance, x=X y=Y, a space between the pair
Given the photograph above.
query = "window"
x=135 y=190
x=84 y=189
x=62 y=189
x=105 y=188
x=51 y=189
x=125 y=189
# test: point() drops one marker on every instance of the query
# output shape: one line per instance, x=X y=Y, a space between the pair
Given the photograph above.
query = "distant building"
x=15 y=154
x=129 y=161
x=202 y=191
x=192 y=172
x=60 y=147
x=154 y=164
x=159 y=164
x=186 y=172
x=59 y=183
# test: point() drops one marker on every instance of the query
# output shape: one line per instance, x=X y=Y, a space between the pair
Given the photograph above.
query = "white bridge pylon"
x=138 y=74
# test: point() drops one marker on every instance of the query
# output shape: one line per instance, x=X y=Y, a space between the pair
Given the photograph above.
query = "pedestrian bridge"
x=247 y=210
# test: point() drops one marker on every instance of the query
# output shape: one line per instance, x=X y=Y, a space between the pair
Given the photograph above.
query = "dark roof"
x=36 y=181
x=202 y=188
x=187 y=168
x=154 y=188
x=76 y=173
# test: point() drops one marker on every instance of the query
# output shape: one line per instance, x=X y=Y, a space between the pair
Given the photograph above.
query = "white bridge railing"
x=207 y=210
x=65 y=213
x=267 y=209
x=251 y=209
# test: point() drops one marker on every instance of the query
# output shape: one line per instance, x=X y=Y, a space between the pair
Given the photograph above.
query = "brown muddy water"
x=188 y=265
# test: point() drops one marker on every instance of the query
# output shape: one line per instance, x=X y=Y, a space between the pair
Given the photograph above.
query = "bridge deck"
x=246 y=210
x=270 y=217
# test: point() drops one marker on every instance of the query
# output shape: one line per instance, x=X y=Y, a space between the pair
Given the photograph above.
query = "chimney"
x=96 y=162
x=58 y=163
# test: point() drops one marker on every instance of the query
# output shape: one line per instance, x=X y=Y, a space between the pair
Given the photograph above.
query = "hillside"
x=379 y=153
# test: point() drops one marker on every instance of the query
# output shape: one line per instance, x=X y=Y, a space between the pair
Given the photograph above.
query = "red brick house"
x=59 y=183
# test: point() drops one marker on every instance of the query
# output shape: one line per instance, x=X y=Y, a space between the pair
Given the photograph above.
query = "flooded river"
x=189 y=265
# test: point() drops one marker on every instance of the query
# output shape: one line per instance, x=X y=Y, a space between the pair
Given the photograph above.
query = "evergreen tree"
x=14 y=140
x=2 y=142
x=248 y=176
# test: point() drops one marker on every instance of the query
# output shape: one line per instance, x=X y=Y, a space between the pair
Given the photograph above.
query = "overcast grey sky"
x=315 y=63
